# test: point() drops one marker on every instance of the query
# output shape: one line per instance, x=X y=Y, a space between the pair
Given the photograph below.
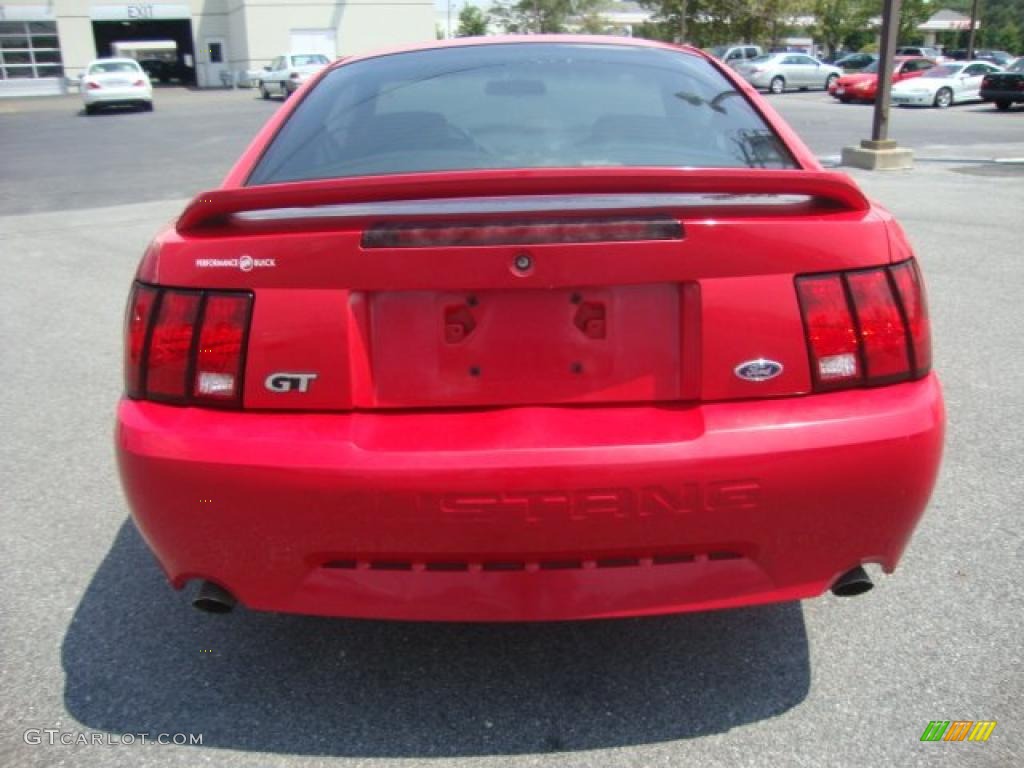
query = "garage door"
x=314 y=41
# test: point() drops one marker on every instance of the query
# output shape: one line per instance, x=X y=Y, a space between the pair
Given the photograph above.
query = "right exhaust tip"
x=852 y=583
x=212 y=598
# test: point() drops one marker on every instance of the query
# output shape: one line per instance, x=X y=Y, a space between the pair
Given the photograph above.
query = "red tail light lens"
x=140 y=307
x=883 y=334
x=93 y=86
x=866 y=326
x=218 y=368
x=910 y=287
x=170 y=345
x=831 y=333
x=186 y=346
x=139 y=83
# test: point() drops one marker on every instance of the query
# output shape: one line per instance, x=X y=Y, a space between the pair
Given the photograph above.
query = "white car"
x=950 y=83
x=109 y=82
x=286 y=73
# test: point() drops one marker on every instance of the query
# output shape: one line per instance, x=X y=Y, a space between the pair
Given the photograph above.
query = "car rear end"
x=1004 y=88
x=488 y=350
x=115 y=83
x=759 y=71
x=303 y=67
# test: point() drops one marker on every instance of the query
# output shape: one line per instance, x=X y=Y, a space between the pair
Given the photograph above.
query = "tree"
x=840 y=19
x=711 y=22
x=541 y=16
x=912 y=13
x=472 y=22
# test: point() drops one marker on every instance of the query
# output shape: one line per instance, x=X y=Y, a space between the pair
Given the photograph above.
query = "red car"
x=527 y=329
x=863 y=85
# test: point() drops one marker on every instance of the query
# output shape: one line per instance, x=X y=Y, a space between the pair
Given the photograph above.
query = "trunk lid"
x=574 y=287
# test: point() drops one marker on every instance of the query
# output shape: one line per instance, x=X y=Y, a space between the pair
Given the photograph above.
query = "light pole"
x=880 y=152
x=890 y=33
x=974 y=26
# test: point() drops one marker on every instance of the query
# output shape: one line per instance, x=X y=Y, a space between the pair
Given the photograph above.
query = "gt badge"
x=289 y=382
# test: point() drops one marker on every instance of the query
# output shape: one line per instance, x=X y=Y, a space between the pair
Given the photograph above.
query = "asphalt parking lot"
x=92 y=640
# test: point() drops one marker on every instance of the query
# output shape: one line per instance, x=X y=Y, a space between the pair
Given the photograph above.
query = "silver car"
x=775 y=72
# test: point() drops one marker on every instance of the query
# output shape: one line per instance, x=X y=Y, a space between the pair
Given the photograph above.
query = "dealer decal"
x=245 y=263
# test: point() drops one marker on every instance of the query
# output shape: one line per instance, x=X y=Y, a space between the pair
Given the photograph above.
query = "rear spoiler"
x=214 y=208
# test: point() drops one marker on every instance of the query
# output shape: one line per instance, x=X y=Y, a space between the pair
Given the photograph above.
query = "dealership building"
x=209 y=41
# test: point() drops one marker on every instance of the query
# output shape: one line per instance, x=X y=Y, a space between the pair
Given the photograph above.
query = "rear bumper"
x=533 y=513
x=117 y=96
x=993 y=94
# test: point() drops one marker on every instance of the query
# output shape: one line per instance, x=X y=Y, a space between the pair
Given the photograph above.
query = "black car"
x=999 y=58
x=1005 y=88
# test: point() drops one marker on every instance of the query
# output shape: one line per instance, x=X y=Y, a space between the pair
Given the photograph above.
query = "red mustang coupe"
x=527 y=329
x=863 y=85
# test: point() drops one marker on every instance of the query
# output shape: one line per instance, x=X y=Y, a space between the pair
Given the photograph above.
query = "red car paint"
x=446 y=463
x=863 y=86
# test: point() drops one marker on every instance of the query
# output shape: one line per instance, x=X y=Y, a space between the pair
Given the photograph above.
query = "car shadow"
x=114 y=109
x=138 y=659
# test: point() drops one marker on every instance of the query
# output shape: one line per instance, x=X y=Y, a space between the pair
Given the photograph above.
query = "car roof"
x=492 y=40
x=113 y=59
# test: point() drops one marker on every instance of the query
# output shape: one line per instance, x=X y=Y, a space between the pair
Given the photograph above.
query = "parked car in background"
x=734 y=54
x=115 y=82
x=855 y=62
x=1004 y=88
x=286 y=73
x=942 y=86
x=777 y=72
x=863 y=86
x=999 y=58
x=920 y=51
x=546 y=328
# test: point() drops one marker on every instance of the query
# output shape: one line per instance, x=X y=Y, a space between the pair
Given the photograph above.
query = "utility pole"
x=682 y=21
x=970 y=34
x=880 y=152
x=890 y=33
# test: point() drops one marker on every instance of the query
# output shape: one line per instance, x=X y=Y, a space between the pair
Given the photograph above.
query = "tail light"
x=866 y=327
x=186 y=346
x=92 y=85
x=138 y=83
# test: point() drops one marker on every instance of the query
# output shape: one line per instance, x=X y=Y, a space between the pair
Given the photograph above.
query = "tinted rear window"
x=106 y=67
x=520 y=106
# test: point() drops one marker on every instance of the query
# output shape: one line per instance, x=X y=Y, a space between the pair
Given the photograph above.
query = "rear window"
x=520 y=106
x=311 y=60
x=946 y=70
x=104 y=67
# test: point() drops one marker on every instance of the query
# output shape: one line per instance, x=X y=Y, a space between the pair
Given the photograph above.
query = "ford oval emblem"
x=758 y=370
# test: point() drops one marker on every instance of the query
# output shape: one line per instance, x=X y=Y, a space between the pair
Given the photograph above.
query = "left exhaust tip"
x=852 y=583
x=212 y=598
